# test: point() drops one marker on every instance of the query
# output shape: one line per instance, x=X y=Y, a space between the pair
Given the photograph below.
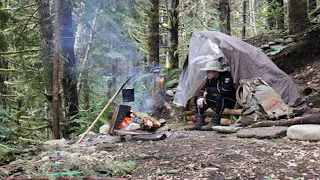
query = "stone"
x=305 y=132
x=226 y=129
x=265 y=46
x=289 y=40
x=279 y=40
x=276 y=47
x=45 y=158
x=73 y=156
x=56 y=144
x=89 y=136
x=263 y=132
x=104 y=139
x=271 y=43
x=104 y=129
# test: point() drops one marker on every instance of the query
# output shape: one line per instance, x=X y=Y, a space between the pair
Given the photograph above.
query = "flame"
x=124 y=122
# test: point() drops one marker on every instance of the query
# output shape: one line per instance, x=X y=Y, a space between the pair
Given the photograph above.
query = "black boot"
x=197 y=126
x=215 y=121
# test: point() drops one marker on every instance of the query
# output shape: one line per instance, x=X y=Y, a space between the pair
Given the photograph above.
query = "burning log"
x=123 y=116
x=120 y=118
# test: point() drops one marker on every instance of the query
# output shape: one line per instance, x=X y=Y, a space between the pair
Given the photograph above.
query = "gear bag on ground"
x=260 y=101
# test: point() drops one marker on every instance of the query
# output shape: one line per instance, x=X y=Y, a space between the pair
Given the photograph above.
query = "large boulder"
x=306 y=132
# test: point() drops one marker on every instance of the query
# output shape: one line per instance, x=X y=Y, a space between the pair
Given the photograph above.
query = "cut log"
x=306 y=119
x=236 y=112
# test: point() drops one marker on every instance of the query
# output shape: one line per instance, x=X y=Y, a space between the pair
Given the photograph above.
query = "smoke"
x=114 y=54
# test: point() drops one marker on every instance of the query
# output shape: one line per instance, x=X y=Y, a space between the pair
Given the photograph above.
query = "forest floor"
x=212 y=155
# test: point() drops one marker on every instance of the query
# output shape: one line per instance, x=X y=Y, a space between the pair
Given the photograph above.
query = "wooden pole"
x=103 y=110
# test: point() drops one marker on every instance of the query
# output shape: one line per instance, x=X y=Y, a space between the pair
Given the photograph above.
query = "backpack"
x=260 y=102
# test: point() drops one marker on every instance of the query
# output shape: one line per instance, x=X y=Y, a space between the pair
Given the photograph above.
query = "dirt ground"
x=211 y=155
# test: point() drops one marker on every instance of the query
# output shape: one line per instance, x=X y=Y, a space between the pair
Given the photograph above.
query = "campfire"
x=122 y=116
x=124 y=122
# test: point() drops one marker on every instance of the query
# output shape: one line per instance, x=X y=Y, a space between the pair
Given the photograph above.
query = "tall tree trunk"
x=298 y=16
x=47 y=48
x=173 y=57
x=69 y=79
x=86 y=65
x=3 y=78
x=55 y=80
x=252 y=23
x=3 y=62
x=225 y=26
x=153 y=34
x=244 y=18
x=312 y=5
x=280 y=16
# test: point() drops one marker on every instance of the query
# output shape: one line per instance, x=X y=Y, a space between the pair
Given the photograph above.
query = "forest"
x=62 y=61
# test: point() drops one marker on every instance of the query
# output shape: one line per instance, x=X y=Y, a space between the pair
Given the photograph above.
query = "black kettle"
x=128 y=95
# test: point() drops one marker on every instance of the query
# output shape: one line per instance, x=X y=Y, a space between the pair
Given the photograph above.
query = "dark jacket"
x=222 y=85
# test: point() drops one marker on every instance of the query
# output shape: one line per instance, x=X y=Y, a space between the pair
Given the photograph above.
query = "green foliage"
x=106 y=168
x=270 y=12
x=6 y=156
x=111 y=169
x=86 y=117
x=172 y=74
x=4 y=129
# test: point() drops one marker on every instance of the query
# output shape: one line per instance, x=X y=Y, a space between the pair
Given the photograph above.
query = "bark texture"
x=3 y=48
x=69 y=79
x=55 y=88
x=298 y=16
x=173 y=34
x=244 y=18
x=46 y=53
x=153 y=34
x=225 y=26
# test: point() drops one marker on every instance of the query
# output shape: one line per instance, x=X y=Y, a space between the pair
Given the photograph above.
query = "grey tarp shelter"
x=243 y=60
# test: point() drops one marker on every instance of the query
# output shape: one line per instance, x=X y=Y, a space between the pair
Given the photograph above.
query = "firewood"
x=236 y=112
x=226 y=111
x=188 y=112
x=191 y=118
x=306 y=119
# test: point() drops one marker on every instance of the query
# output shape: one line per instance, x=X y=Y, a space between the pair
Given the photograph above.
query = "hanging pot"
x=127 y=95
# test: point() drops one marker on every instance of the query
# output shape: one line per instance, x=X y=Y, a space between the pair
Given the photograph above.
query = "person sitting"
x=218 y=93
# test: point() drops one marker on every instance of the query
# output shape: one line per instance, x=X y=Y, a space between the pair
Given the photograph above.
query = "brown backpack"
x=260 y=102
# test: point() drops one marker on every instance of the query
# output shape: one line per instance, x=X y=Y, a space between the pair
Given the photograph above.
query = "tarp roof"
x=243 y=60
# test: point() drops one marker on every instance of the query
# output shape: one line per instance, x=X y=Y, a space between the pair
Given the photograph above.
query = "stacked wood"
x=190 y=115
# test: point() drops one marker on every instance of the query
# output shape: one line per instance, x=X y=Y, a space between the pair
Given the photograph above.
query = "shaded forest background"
x=61 y=61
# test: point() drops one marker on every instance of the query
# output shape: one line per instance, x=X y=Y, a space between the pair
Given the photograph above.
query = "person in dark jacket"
x=218 y=93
